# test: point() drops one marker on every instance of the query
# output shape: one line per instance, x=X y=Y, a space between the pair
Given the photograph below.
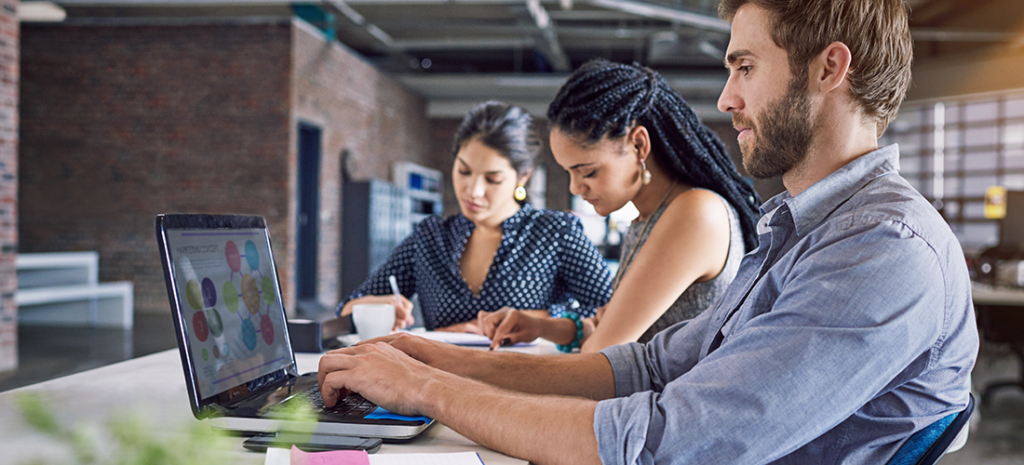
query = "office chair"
x=927 y=446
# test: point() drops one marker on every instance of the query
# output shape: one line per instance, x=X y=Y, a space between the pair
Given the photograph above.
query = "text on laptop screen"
x=234 y=316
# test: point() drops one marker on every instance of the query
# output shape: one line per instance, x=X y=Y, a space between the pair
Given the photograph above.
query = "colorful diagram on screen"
x=257 y=297
x=230 y=306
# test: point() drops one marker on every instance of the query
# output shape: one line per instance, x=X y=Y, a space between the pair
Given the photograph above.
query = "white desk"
x=155 y=386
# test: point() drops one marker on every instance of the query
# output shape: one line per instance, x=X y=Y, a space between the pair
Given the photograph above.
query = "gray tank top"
x=699 y=296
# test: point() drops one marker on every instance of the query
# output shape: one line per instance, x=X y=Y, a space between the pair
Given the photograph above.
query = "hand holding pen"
x=403 y=307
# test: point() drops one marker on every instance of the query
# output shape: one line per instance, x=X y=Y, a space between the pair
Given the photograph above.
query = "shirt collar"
x=813 y=205
x=464 y=228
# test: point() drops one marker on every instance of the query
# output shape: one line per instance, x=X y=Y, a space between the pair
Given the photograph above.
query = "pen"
x=394 y=290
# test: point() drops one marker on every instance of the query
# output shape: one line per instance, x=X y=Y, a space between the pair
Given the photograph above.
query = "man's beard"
x=784 y=137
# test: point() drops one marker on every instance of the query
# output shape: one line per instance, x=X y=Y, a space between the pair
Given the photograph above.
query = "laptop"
x=229 y=319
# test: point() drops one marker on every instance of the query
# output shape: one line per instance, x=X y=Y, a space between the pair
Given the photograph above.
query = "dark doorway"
x=308 y=212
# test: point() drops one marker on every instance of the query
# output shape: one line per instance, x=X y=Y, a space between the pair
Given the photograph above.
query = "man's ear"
x=640 y=139
x=830 y=69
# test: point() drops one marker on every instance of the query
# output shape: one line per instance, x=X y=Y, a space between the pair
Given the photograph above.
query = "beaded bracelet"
x=575 y=344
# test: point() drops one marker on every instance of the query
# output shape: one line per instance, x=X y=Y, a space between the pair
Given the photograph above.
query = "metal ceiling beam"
x=546 y=86
x=463 y=29
x=710 y=23
x=465 y=43
x=590 y=15
x=551 y=49
x=383 y=41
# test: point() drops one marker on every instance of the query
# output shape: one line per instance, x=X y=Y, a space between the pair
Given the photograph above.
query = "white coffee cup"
x=373 y=320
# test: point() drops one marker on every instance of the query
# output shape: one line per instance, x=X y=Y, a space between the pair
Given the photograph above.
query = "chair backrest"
x=927 y=446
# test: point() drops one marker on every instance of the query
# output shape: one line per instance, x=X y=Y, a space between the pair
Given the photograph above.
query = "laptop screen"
x=230 y=305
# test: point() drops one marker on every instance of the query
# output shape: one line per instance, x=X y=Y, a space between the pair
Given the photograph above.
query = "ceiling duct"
x=684 y=48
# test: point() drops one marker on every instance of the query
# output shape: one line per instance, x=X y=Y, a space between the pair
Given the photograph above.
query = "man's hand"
x=433 y=353
x=509 y=326
x=380 y=373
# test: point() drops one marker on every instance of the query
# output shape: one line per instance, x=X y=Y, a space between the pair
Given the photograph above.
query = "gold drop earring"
x=520 y=193
x=645 y=175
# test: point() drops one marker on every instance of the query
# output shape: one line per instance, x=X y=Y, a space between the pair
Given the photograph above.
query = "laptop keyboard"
x=353 y=405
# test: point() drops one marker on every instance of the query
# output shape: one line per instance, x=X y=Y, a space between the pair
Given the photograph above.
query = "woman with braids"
x=498 y=252
x=624 y=135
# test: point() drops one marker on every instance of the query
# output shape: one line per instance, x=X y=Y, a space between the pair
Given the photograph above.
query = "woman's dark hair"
x=603 y=98
x=505 y=128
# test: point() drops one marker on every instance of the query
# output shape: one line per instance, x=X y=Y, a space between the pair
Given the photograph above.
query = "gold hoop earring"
x=520 y=194
x=645 y=176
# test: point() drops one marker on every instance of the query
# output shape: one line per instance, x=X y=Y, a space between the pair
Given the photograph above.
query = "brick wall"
x=9 y=38
x=359 y=110
x=121 y=123
x=124 y=122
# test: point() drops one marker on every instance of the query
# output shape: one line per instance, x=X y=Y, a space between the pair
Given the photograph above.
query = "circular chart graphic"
x=248 y=335
x=216 y=352
x=209 y=293
x=214 y=321
x=206 y=355
x=230 y=296
x=194 y=295
x=231 y=254
x=268 y=290
x=199 y=326
x=251 y=255
x=267 y=330
x=250 y=293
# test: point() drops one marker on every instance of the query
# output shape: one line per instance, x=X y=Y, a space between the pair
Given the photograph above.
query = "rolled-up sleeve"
x=858 y=314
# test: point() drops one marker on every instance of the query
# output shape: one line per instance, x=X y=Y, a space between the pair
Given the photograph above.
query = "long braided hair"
x=603 y=98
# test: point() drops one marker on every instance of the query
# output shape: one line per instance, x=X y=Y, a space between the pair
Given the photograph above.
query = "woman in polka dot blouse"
x=499 y=252
x=624 y=135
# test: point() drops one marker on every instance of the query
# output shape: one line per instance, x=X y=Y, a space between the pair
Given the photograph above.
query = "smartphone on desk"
x=311 y=443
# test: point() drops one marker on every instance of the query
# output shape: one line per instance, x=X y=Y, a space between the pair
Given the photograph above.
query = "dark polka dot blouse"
x=544 y=262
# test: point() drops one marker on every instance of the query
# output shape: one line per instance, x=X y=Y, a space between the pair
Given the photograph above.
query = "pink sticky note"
x=334 y=457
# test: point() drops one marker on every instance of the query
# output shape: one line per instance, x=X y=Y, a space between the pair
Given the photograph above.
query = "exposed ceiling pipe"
x=697 y=20
x=551 y=47
x=384 y=41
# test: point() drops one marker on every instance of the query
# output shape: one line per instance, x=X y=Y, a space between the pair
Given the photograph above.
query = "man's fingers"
x=333 y=388
x=331 y=372
x=334 y=361
x=331 y=365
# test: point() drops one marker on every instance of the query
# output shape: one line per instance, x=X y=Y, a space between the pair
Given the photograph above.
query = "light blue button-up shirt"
x=847 y=330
